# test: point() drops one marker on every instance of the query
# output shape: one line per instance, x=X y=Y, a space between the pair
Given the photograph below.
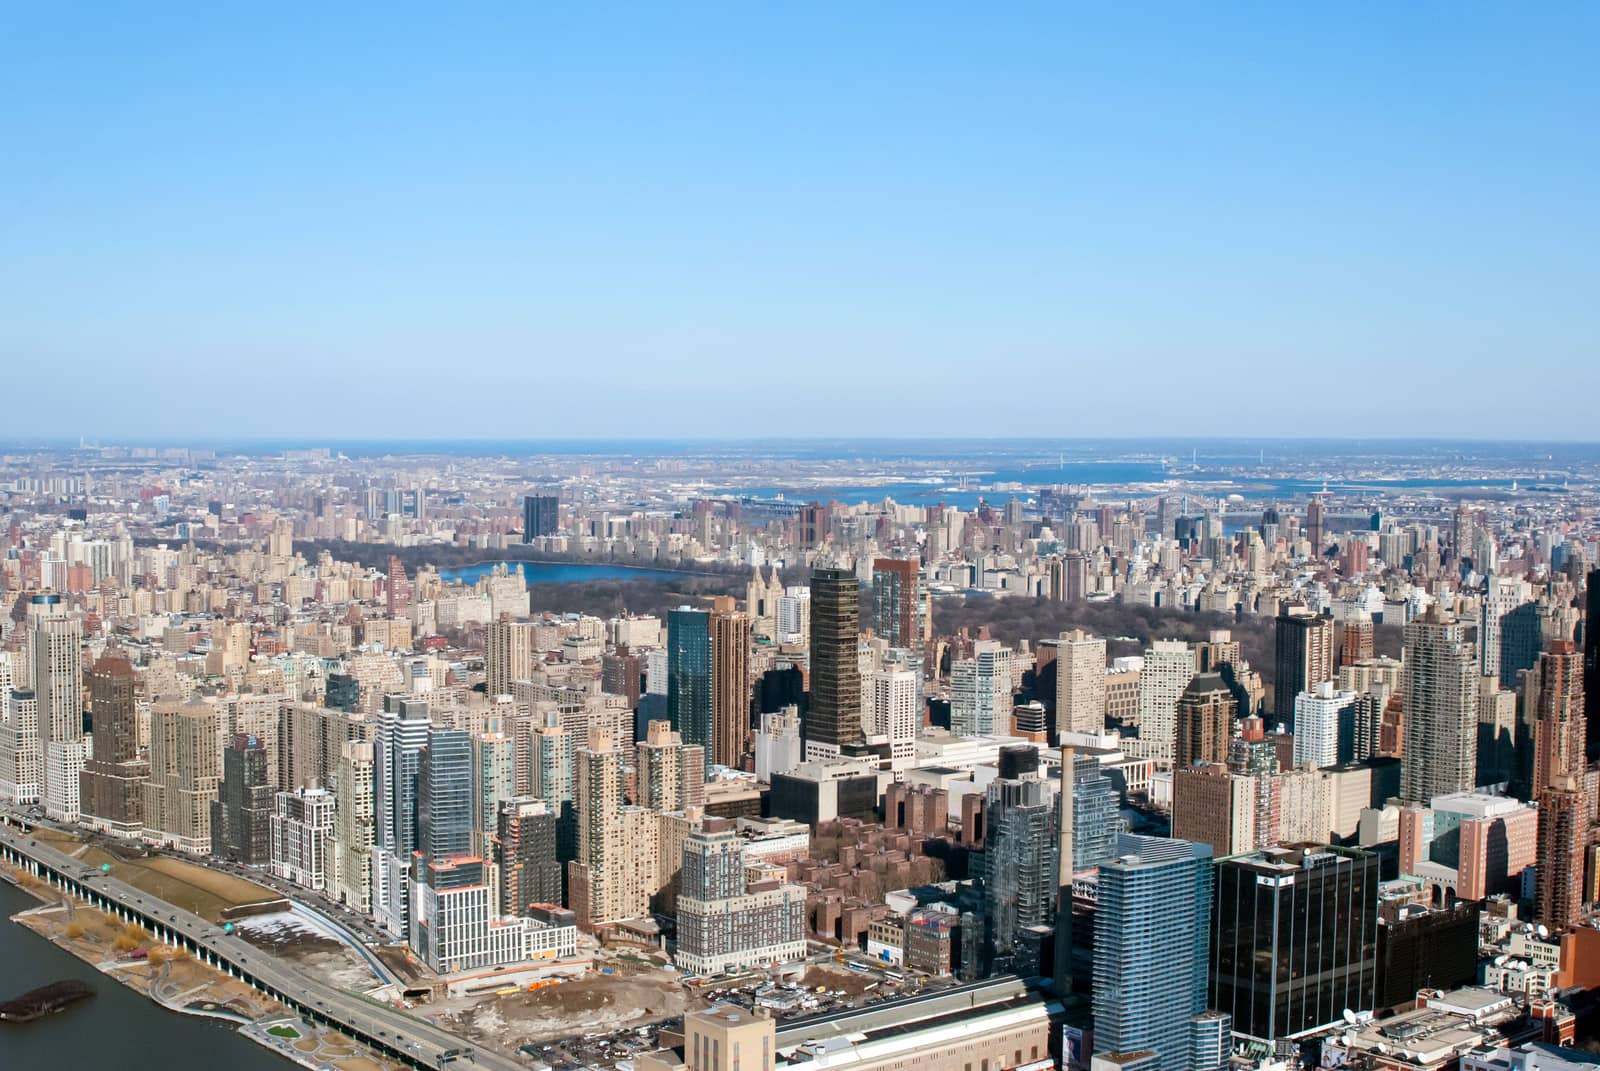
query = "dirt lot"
x=853 y=983
x=292 y=937
x=596 y=1003
x=207 y=893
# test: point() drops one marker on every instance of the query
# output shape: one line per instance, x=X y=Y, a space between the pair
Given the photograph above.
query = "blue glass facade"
x=1151 y=942
x=444 y=795
x=689 y=675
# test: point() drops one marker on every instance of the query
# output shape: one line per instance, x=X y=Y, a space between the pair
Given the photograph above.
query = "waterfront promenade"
x=378 y=1026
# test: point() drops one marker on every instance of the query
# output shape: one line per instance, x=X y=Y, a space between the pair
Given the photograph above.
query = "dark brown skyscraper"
x=894 y=601
x=1563 y=835
x=833 y=716
x=1303 y=658
x=1206 y=710
x=111 y=785
x=1554 y=703
x=730 y=681
x=619 y=675
x=1591 y=663
x=1316 y=530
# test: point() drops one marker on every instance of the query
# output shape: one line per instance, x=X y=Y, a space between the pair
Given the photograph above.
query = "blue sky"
x=543 y=220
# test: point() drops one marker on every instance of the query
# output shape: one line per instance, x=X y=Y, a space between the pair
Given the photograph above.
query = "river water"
x=116 y=1028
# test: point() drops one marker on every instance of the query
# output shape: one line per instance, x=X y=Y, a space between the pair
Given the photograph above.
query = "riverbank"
x=175 y=981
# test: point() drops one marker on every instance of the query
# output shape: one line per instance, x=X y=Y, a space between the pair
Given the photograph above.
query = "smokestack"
x=1063 y=964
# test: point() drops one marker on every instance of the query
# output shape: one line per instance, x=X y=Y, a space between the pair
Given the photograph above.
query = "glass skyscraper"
x=444 y=795
x=1095 y=820
x=402 y=734
x=689 y=674
x=1295 y=935
x=1151 y=934
x=1019 y=863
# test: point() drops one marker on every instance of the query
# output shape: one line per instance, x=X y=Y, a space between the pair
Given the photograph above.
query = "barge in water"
x=46 y=1000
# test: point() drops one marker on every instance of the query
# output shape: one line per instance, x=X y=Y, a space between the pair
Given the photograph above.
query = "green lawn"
x=283 y=1032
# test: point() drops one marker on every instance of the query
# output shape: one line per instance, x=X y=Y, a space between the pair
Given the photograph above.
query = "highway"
x=388 y=1030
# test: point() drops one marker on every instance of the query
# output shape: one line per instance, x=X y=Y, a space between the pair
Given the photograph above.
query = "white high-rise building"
x=655 y=670
x=397 y=755
x=1318 y=717
x=1080 y=683
x=794 y=615
x=980 y=691
x=302 y=837
x=21 y=780
x=552 y=762
x=353 y=826
x=1503 y=595
x=778 y=745
x=55 y=637
x=1168 y=668
x=892 y=694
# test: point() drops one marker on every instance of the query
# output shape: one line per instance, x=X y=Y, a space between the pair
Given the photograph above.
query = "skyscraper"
x=832 y=719
x=620 y=671
x=670 y=774
x=525 y=851
x=494 y=776
x=552 y=781
x=1502 y=597
x=1205 y=716
x=302 y=837
x=615 y=870
x=1440 y=752
x=402 y=734
x=1080 y=682
x=184 y=760
x=1168 y=667
x=355 y=825
x=891 y=695
x=980 y=691
x=242 y=813
x=1151 y=938
x=1316 y=526
x=507 y=654
x=444 y=795
x=55 y=636
x=1294 y=935
x=1553 y=700
x=730 y=683
x=1563 y=836
x=1019 y=857
x=689 y=701
x=112 y=786
x=21 y=780
x=1591 y=663
x=1303 y=658
x=1095 y=820
x=540 y=516
x=895 y=603
x=1325 y=726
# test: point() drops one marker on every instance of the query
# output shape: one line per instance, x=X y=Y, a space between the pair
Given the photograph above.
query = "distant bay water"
x=557 y=573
